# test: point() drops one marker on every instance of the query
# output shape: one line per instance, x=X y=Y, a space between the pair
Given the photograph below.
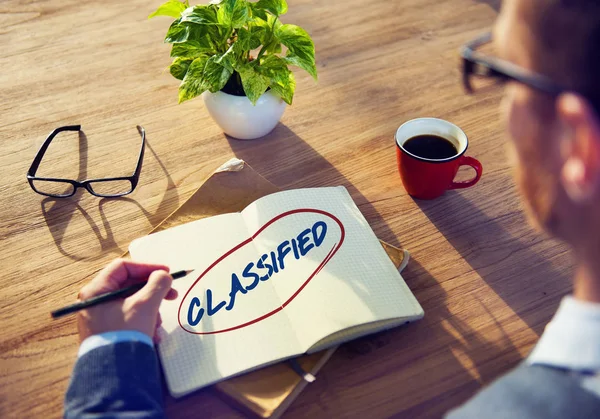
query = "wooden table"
x=487 y=281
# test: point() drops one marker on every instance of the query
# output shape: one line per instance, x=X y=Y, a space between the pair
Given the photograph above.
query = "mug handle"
x=468 y=161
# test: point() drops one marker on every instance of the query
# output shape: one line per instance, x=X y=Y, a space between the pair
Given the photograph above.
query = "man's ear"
x=580 y=174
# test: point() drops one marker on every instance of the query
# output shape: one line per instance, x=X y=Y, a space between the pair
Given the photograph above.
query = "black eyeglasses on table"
x=63 y=188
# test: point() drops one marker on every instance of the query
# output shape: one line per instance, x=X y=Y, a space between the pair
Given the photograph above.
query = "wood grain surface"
x=487 y=281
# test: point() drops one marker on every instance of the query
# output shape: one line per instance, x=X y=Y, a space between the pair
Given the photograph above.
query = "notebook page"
x=345 y=279
x=355 y=332
x=203 y=335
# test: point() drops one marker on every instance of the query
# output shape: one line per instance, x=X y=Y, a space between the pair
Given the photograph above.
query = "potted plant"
x=232 y=53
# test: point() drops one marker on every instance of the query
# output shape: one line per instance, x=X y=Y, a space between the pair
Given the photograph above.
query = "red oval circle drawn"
x=248 y=240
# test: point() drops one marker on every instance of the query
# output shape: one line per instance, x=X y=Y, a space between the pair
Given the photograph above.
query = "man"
x=552 y=110
x=548 y=53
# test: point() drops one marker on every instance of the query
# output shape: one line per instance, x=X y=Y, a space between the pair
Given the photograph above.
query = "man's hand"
x=136 y=312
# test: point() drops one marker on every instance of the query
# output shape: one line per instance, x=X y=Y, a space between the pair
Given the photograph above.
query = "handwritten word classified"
x=262 y=270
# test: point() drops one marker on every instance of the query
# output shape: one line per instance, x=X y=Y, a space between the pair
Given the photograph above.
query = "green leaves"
x=270 y=24
x=211 y=42
x=192 y=48
x=203 y=73
x=301 y=50
x=201 y=15
x=229 y=59
x=277 y=7
x=258 y=12
x=250 y=39
x=177 y=32
x=193 y=82
x=215 y=75
x=281 y=79
x=171 y=8
x=253 y=82
x=179 y=67
x=233 y=13
x=285 y=87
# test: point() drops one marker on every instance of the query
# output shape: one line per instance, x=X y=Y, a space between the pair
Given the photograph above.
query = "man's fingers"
x=155 y=290
x=172 y=294
x=156 y=336
x=118 y=274
x=139 y=270
x=102 y=282
x=125 y=272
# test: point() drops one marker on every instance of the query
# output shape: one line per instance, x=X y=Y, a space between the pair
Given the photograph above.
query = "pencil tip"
x=181 y=273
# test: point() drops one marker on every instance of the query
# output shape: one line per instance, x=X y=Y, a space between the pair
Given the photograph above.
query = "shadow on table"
x=288 y=161
x=60 y=212
x=164 y=207
x=508 y=265
x=438 y=351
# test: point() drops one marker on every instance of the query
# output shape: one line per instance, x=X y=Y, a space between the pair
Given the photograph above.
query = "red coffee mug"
x=429 y=178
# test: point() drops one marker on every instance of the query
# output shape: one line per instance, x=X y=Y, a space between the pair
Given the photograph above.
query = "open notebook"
x=294 y=272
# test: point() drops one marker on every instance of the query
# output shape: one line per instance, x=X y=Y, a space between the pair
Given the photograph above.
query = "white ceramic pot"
x=240 y=119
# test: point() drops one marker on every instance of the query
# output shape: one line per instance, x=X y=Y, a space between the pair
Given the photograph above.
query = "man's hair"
x=567 y=37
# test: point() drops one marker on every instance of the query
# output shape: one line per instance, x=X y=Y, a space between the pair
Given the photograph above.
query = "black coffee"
x=430 y=147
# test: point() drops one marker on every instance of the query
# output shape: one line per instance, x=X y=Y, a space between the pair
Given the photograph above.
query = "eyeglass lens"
x=111 y=187
x=53 y=188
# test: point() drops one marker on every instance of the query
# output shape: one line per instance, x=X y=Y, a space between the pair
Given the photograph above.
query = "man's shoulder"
x=532 y=392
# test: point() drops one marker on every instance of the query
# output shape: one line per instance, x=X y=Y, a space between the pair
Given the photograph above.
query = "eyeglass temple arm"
x=40 y=154
x=467 y=53
x=479 y=41
x=503 y=69
x=138 y=168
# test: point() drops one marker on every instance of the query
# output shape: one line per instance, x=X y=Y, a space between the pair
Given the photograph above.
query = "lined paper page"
x=344 y=279
x=293 y=268
x=193 y=360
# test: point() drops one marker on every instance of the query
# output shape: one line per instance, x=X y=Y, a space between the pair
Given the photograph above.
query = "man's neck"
x=586 y=285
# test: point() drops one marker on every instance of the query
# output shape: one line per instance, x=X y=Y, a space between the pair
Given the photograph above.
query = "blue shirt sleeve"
x=120 y=378
x=108 y=338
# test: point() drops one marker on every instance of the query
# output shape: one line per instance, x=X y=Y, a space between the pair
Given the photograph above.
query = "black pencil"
x=109 y=296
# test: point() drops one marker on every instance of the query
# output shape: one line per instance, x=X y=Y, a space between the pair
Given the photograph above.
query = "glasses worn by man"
x=482 y=71
x=63 y=188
